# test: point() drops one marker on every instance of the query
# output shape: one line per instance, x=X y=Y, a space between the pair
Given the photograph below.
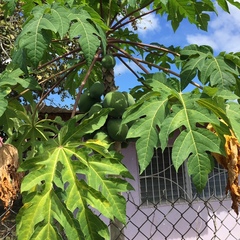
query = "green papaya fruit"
x=108 y=61
x=96 y=90
x=117 y=101
x=95 y=108
x=117 y=130
x=129 y=97
x=86 y=102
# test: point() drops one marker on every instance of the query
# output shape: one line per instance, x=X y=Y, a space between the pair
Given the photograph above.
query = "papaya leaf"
x=88 y=125
x=9 y=7
x=4 y=91
x=201 y=17
x=84 y=181
x=194 y=142
x=16 y=78
x=214 y=99
x=233 y=113
x=84 y=28
x=235 y=3
x=99 y=177
x=59 y=18
x=219 y=72
x=29 y=131
x=193 y=146
x=217 y=106
x=80 y=195
x=49 y=211
x=36 y=35
x=223 y=4
x=177 y=10
x=195 y=59
x=148 y=115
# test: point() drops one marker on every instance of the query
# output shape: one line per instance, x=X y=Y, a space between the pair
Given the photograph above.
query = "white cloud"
x=223 y=34
x=121 y=69
x=147 y=24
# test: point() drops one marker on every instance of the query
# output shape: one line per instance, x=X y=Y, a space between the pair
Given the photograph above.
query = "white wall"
x=205 y=219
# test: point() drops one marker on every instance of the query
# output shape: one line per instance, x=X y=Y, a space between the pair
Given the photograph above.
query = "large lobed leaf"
x=195 y=12
x=167 y=112
x=194 y=141
x=36 y=35
x=47 y=21
x=219 y=71
x=3 y=93
x=68 y=179
x=147 y=115
x=89 y=36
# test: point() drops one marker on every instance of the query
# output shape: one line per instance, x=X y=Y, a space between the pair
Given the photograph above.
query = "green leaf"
x=60 y=19
x=201 y=16
x=102 y=175
x=177 y=10
x=87 y=126
x=235 y=3
x=9 y=7
x=193 y=146
x=17 y=77
x=36 y=35
x=57 y=168
x=89 y=36
x=195 y=60
x=148 y=115
x=223 y=4
x=219 y=72
x=233 y=113
x=194 y=141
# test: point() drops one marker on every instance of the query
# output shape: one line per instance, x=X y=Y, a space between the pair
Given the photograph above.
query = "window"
x=160 y=183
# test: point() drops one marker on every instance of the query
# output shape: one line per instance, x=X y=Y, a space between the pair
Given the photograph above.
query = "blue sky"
x=223 y=35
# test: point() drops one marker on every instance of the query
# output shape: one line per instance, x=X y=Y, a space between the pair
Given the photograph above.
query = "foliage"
x=61 y=46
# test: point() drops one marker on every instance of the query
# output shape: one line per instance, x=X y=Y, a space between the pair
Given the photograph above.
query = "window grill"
x=160 y=183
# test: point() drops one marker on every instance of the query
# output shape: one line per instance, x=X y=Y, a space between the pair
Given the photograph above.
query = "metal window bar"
x=160 y=183
x=216 y=184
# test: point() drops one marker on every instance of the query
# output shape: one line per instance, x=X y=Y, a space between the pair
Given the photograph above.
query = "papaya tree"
x=73 y=169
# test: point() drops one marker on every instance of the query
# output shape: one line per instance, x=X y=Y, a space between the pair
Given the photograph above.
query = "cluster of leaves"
x=68 y=179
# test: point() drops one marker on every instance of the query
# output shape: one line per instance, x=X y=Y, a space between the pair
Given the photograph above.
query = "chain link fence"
x=211 y=219
x=196 y=219
x=8 y=221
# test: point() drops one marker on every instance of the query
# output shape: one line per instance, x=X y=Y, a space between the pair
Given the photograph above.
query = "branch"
x=47 y=79
x=83 y=83
x=129 y=14
x=137 y=60
x=143 y=45
x=130 y=57
x=59 y=57
x=168 y=71
x=48 y=92
x=127 y=66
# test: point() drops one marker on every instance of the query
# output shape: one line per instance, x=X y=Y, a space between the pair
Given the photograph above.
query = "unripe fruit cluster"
x=118 y=101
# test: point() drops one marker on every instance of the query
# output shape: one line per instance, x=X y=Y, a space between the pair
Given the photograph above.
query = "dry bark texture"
x=231 y=162
x=9 y=178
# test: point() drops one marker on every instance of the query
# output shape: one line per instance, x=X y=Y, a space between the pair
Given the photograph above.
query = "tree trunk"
x=116 y=227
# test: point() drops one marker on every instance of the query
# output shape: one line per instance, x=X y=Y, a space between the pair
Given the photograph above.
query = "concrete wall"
x=210 y=220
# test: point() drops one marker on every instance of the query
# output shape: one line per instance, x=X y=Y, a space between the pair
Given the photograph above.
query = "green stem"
x=119 y=25
x=83 y=83
x=143 y=45
x=132 y=58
